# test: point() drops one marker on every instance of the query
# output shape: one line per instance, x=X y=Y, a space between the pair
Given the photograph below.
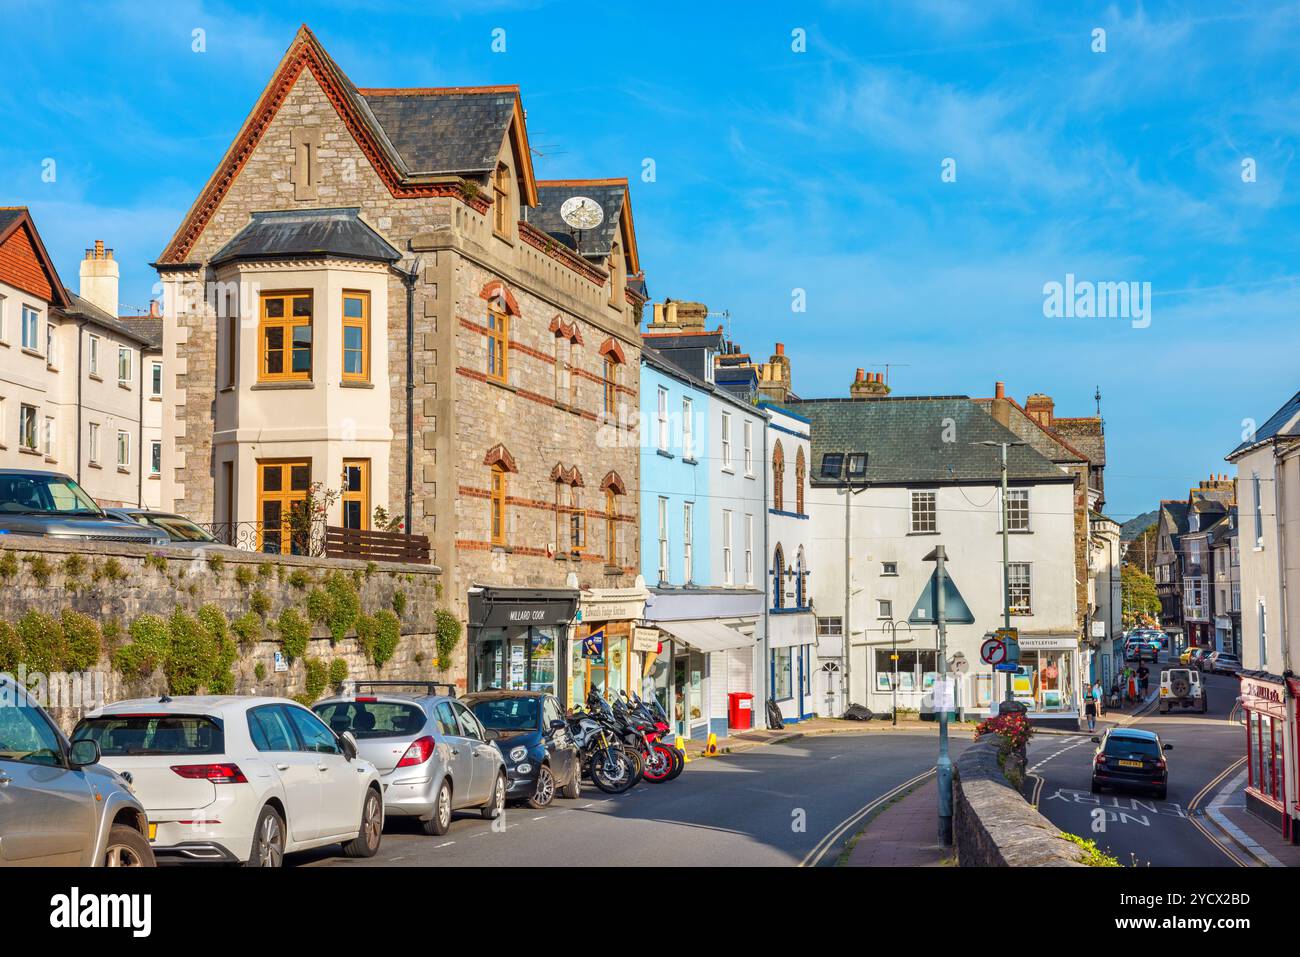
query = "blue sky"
x=778 y=170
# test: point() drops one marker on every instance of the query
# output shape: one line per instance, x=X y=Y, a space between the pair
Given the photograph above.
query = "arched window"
x=800 y=474
x=498 y=512
x=778 y=477
x=498 y=344
x=611 y=385
x=778 y=577
x=801 y=573
x=611 y=528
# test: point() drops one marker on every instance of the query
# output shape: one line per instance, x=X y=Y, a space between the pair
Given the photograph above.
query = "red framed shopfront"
x=1264 y=702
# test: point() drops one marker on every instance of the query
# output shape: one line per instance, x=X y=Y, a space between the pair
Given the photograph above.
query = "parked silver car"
x=433 y=754
x=58 y=805
x=52 y=505
x=1221 y=663
x=180 y=531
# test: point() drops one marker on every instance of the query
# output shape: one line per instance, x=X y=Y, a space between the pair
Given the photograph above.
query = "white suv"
x=1182 y=688
x=239 y=779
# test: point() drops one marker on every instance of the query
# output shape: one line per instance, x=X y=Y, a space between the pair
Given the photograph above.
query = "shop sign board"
x=645 y=639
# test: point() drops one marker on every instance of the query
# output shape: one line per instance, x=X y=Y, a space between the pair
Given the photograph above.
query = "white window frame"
x=884 y=608
x=889 y=569
x=749 y=550
x=728 y=571
x=51 y=345
x=93 y=350
x=155 y=452
x=918 y=527
x=688 y=542
x=28 y=413
x=749 y=447
x=663 y=539
x=688 y=428
x=31 y=319
x=48 y=437
x=726 y=442
x=1263 y=634
x=1259 y=510
x=124 y=352
x=1027 y=608
x=123 y=434
x=155 y=367
x=1017 y=516
x=93 y=444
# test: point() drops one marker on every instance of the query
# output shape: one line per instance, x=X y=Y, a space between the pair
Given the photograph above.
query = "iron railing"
x=283 y=539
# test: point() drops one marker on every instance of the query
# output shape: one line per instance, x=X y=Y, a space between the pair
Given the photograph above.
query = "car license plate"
x=1130 y=764
x=153 y=832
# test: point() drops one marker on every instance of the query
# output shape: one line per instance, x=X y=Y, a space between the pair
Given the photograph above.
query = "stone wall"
x=116 y=584
x=993 y=825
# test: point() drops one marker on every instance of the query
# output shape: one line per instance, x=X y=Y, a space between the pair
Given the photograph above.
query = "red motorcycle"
x=645 y=730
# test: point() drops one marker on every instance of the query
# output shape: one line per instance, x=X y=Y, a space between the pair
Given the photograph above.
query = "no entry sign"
x=993 y=651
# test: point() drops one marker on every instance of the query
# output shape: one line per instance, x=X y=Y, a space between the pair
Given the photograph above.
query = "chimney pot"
x=780 y=348
x=1000 y=390
x=860 y=374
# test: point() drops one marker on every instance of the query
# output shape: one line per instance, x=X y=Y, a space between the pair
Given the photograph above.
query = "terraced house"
x=373 y=295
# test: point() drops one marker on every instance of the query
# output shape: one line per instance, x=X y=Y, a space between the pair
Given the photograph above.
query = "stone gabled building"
x=373 y=294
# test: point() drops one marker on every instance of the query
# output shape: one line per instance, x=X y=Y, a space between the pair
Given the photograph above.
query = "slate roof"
x=79 y=308
x=668 y=367
x=1177 y=512
x=687 y=351
x=1279 y=424
x=9 y=215
x=444 y=131
x=148 y=328
x=1042 y=440
x=596 y=243
x=309 y=233
x=904 y=440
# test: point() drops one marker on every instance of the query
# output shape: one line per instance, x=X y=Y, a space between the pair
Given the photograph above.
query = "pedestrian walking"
x=1144 y=678
x=1090 y=710
x=1096 y=696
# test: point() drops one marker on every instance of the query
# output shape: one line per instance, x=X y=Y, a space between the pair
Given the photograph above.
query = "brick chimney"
x=99 y=276
x=1000 y=408
x=868 y=385
x=671 y=315
x=774 y=376
x=1041 y=409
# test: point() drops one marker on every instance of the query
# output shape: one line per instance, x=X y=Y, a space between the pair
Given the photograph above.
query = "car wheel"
x=127 y=847
x=366 y=843
x=268 y=840
x=573 y=790
x=496 y=801
x=544 y=792
x=438 y=825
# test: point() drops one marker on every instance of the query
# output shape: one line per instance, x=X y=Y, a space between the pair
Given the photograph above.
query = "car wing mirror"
x=1096 y=740
x=559 y=724
x=84 y=752
x=348 y=742
x=1169 y=747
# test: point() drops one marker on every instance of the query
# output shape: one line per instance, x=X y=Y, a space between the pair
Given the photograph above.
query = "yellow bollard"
x=711 y=748
x=680 y=744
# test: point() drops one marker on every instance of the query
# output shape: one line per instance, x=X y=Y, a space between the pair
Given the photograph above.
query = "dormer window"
x=832 y=464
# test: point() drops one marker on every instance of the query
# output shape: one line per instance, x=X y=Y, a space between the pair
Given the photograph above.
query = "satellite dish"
x=581 y=212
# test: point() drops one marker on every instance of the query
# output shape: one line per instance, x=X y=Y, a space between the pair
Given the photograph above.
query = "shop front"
x=1268 y=710
x=1049 y=679
x=608 y=654
x=792 y=640
x=707 y=652
x=518 y=638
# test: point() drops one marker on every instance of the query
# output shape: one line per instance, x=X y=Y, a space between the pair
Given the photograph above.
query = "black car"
x=1130 y=757
x=529 y=729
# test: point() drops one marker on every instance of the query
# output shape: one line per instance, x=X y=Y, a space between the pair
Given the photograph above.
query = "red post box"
x=740 y=710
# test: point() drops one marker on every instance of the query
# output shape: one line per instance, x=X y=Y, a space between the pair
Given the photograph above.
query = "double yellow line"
x=831 y=840
x=1200 y=796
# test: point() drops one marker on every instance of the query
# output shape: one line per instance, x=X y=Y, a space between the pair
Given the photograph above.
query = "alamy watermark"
x=1085 y=299
x=56 y=689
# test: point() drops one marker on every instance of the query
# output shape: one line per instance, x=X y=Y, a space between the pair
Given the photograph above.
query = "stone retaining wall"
x=993 y=825
x=115 y=584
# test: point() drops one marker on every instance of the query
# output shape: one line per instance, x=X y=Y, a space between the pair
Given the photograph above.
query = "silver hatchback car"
x=432 y=753
x=58 y=805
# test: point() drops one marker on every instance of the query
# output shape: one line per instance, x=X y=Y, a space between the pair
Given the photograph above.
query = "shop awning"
x=705 y=634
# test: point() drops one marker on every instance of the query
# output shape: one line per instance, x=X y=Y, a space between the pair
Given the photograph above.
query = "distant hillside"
x=1134 y=526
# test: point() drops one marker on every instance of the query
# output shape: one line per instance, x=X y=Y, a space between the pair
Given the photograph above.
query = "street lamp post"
x=943 y=768
x=1006 y=555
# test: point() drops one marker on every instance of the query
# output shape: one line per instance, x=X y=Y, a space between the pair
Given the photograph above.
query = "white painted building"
x=891 y=478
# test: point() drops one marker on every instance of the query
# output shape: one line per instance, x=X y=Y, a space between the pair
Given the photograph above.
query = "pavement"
x=903 y=834
x=738 y=741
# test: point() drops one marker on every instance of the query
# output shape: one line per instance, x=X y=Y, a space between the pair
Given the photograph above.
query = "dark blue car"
x=529 y=729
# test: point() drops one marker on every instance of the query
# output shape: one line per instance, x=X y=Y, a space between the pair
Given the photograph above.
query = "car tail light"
x=367 y=699
x=421 y=750
x=1100 y=759
x=1160 y=763
x=216 y=773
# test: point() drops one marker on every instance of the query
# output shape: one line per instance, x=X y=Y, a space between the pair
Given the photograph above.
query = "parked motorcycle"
x=647 y=728
x=612 y=767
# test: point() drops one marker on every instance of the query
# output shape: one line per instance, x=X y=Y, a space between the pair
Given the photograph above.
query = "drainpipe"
x=408 y=280
x=767 y=549
x=1279 y=466
x=81 y=327
x=139 y=438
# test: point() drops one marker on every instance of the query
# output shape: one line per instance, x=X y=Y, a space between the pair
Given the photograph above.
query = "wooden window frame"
x=353 y=322
x=498 y=334
x=285 y=496
x=362 y=497
x=778 y=477
x=611 y=385
x=230 y=373
x=577 y=522
x=499 y=487
x=611 y=528
x=288 y=322
x=501 y=201
x=800 y=478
